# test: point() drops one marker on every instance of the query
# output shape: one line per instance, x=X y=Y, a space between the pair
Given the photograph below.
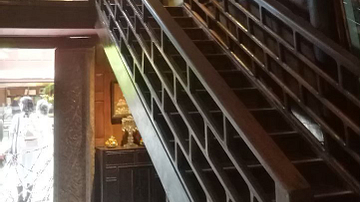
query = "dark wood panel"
x=99 y=96
x=99 y=83
x=99 y=120
x=47 y=16
x=121 y=177
x=126 y=190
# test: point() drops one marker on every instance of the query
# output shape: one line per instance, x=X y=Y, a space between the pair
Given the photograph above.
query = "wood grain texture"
x=104 y=77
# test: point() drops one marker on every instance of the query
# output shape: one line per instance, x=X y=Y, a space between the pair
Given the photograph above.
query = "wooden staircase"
x=242 y=107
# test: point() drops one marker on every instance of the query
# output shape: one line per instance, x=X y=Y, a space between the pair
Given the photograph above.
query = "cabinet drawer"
x=143 y=158
x=120 y=157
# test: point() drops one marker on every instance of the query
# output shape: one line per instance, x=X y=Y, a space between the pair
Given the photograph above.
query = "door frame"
x=83 y=188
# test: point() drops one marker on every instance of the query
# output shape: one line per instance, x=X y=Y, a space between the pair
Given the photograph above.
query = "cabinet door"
x=126 y=191
x=111 y=185
x=157 y=190
x=142 y=179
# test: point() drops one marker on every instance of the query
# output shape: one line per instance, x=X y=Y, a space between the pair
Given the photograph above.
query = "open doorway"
x=26 y=124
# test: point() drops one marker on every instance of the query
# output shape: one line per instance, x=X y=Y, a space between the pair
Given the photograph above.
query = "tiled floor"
x=43 y=181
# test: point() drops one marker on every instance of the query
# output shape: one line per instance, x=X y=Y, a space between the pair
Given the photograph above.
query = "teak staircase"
x=249 y=102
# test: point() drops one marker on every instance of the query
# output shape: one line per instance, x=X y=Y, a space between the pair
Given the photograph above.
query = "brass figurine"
x=111 y=142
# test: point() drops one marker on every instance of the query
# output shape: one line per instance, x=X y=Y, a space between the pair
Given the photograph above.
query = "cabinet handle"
x=110 y=179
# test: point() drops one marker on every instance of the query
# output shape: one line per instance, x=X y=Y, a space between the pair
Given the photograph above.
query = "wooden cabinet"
x=126 y=175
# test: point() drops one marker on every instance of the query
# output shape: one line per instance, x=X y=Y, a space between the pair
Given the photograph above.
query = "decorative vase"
x=129 y=126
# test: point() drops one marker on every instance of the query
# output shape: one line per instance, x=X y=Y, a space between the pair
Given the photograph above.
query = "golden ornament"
x=111 y=142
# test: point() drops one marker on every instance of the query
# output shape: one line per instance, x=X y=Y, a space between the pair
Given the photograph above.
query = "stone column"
x=74 y=140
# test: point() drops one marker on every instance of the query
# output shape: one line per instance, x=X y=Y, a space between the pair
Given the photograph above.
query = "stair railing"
x=300 y=67
x=150 y=39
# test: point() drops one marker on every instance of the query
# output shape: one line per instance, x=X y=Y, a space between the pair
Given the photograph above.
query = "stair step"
x=155 y=30
x=136 y=47
x=165 y=72
x=144 y=34
x=205 y=170
x=152 y=22
x=183 y=21
x=251 y=98
x=207 y=100
x=338 y=196
x=177 y=59
x=196 y=34
x=220 y=61
x=208 y=46
x=261 y=109
x=186 y=22
x=265 y=181
x=283 y=133
x=196 y=112
x=323 y=181
x=253 y=164
x=235 y=79
x=211 y=170
x=175 y=11
x=272 y=121
x=172 y=141
x=295 y=147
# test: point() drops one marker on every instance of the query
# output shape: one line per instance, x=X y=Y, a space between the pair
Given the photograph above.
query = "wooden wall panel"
x=99 y=120
x=47 y=15
x=104 y=77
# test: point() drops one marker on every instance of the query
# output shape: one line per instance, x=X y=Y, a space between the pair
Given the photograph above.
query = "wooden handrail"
x=290 y=184
x=299 y=25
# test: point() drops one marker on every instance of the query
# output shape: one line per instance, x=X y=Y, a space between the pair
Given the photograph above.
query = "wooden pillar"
x=74 y=140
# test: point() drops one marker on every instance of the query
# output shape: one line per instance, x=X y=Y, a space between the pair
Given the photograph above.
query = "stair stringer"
x=171 y=181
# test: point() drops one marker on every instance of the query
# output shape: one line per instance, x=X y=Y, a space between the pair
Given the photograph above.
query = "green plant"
x=49 y=93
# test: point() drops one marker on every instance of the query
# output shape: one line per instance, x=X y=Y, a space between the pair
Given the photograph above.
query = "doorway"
x=27 y=122
x=73 y=140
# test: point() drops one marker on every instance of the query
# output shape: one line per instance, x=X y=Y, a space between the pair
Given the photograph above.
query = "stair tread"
x=283 y=133
x=328 y=191
x=295 y=162
x=333 y=193
x=234 y=89
x=262 y=109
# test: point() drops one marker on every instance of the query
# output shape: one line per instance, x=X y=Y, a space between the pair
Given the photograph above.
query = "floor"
x=40 y=175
